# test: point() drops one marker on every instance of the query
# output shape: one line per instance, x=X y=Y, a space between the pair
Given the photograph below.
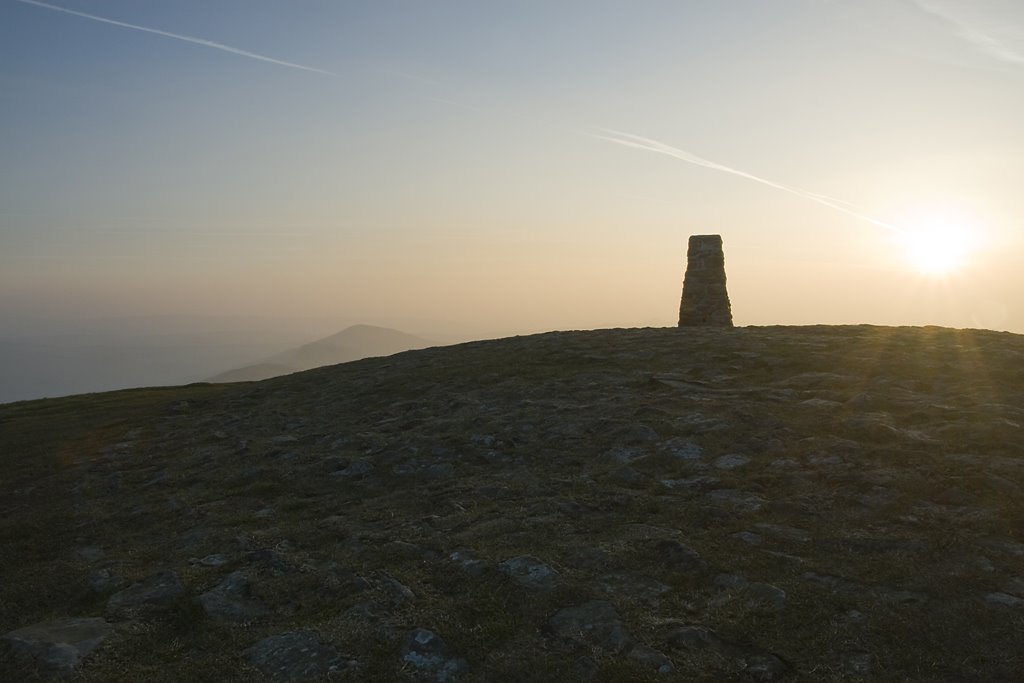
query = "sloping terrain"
x=763 y=504
x=352 y=343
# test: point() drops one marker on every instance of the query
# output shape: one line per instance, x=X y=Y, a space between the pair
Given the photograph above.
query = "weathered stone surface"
x=652 y=659
x=296 y=655
x=595 y=623
x=231 y=600
x=679 y=557
x=1004 y=600
x=428 y=654
x=58 y=645
x=530 y=572
x=153 y=594
x=705 y=300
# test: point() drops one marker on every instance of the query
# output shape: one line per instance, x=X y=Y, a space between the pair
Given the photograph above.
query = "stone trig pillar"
x=705 y=299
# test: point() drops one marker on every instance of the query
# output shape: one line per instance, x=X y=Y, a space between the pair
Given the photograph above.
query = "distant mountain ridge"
x=352 y=343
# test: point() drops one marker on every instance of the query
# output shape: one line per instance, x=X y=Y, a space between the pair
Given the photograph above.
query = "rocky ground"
x=751 y=504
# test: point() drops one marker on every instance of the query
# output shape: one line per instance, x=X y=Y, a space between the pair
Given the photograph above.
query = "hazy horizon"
x=495 y=169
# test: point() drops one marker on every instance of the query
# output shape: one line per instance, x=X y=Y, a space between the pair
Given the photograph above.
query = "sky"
x=512 y=166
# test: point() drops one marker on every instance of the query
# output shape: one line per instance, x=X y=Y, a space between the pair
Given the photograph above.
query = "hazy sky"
x=516 y=166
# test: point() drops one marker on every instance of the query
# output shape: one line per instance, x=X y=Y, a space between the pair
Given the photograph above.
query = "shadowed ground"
x=805 y=504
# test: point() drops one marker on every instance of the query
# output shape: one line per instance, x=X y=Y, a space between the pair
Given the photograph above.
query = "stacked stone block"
x=705 y=301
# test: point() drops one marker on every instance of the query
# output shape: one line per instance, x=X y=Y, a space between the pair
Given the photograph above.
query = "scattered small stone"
x=822 y=404
x=58 y=646
x=627 y=476
x=770 y=598
x=263 y=513
x=742 y=501
x=652 y=659
x=626 y=454
x=732 y=581
x=440 y=470
x=784 y=464
x=1014 y=586
x=485 y=440
x=1004 y=600
x=357 y=469
x=730 y=461
x=397 y=592
x=698 y=482
x=92 y=553
x=530 y=572
x=104 y=582
x=296 y=655
x=825 y=459
x=596 y=623
x=216 y=560
x=469 y=562
x=684 y=449
x=231 y=600
x=764 y=667
x=697 y=638
x=154 y=593
x=679 y=557
x=426 y=652
x=748 y=537
x=787 y=532
x=856 y=665
x=586 y=667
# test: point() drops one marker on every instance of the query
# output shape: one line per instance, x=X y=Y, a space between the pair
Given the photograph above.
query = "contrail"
x=983 y=40
x=178 y=36
x=637 y=142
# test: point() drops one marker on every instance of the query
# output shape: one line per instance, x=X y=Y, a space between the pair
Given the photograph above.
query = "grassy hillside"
x=779 y=503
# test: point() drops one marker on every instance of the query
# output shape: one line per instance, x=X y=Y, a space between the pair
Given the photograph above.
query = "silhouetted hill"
x=752 y=504
x=352 y=343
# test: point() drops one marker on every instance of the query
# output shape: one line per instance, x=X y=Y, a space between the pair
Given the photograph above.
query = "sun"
x=938 y=242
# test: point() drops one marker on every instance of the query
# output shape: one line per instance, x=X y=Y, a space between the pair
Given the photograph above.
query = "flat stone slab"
x=58 y=645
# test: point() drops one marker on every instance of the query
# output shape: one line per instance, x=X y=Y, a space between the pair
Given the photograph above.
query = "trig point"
x=705 y=300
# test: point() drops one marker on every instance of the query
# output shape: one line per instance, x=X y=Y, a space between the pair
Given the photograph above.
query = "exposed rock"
x=697 y=638
x=530 y=572
x=652 y=659
x=92 y=553
x=596 y=623
x=231 y=600
x=748 y=537
x=741 y=501
x=1004 y=600
x=155 y=593
x=684 y=449
x=296 y=655
x=679 y=557
x=104 y=581
x=396 y=592
x=57 y=646
x=428 y=654
x=731 y=461
x=469 y=562
x=217 y=560
x=764 y=667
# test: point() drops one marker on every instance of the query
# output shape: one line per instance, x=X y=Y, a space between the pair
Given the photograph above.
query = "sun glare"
x=937 y=243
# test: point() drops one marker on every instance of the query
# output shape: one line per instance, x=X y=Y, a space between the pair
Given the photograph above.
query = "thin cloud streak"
x=638 y=142
x=178 y=36
x=981 y=39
